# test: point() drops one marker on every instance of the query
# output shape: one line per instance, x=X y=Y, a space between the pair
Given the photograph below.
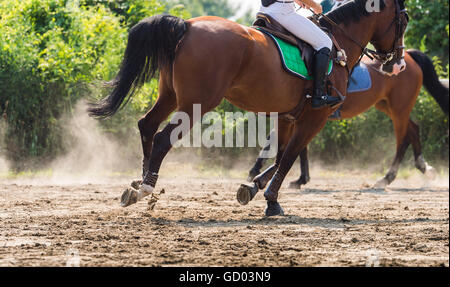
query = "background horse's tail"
x=431 y=79
x=151 y=47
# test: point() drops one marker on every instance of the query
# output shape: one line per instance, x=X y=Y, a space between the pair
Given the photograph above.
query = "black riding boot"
x=321 y=65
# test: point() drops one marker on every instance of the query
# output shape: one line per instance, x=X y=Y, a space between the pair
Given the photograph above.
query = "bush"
x=428 y=28
x=51 y=51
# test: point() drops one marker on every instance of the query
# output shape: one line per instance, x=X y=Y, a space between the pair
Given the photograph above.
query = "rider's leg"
x=309 y=32
x=304 y=29
x=321 y=65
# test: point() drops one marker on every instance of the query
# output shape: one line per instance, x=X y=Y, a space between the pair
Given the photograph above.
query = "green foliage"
x=365 y=137
x=130 y=11
x=433 y=122
x=50 y=52
x=433 y=128
x=221 y=8
x=54 y=52
x=428 y=28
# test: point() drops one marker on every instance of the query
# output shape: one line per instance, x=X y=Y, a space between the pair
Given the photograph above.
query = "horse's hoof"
x=246 y=193
x=381 y=184
x=295 y=185
x=274 y=209
x=129 y=197
x=430 y=172
x=136 y=183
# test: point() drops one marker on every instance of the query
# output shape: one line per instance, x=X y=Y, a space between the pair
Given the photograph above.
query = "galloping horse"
x=206 y=59
x=396 y=97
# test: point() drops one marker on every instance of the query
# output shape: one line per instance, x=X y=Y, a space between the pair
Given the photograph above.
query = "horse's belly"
x=263 y=96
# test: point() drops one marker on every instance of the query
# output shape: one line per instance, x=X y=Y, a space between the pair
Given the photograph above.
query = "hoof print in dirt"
x=274 y=209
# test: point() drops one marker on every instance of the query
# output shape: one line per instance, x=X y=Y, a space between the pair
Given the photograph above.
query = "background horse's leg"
x=403 y=142
x=303 y=134
x=149 y=124
x=304 y=171
x=414 y=137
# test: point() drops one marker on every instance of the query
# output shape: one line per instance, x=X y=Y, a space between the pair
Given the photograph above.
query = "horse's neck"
x=361 y=33
x=338 y=4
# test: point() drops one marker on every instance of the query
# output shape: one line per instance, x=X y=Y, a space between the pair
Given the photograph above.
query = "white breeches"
x=298 y=25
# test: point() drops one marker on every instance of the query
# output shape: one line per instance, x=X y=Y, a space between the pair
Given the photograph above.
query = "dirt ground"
x=337 y=220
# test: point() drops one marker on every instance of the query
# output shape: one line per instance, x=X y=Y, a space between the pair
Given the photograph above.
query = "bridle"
x=382 y=56
x=400 y=26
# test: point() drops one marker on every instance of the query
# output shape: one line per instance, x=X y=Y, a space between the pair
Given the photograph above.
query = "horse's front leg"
x=303 y=134
x=246 y=192
x=288 y=158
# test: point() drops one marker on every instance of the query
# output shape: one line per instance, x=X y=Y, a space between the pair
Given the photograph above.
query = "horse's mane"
x=352 y=11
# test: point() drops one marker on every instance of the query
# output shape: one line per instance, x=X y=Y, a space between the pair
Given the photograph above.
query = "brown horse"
x=206 y=59
x=396 y=97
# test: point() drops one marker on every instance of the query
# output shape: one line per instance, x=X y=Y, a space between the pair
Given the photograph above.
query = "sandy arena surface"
x=335 y=221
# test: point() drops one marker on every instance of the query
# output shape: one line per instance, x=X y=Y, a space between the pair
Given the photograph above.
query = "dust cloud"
x=92 y=156
x=4 y=165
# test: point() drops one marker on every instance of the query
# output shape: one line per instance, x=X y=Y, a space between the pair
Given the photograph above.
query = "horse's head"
x=388 y=39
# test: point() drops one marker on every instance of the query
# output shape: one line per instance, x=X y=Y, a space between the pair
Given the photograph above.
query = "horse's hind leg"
x=414 y=137
x=164 y=140
x=261 y=160
x=149 y=124
x=403 y=142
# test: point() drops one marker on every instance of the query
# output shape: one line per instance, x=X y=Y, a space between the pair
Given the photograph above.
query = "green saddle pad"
x=291 y=58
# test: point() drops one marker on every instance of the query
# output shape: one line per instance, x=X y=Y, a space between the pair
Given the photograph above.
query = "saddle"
x=269 y=25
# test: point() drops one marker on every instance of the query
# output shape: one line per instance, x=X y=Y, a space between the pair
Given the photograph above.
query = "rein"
x=383 y=57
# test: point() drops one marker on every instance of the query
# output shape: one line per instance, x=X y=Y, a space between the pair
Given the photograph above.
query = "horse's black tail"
x=151 y=47
x=431 y=80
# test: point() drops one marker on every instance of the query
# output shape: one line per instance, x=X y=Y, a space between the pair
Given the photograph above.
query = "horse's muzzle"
x=395 y=69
